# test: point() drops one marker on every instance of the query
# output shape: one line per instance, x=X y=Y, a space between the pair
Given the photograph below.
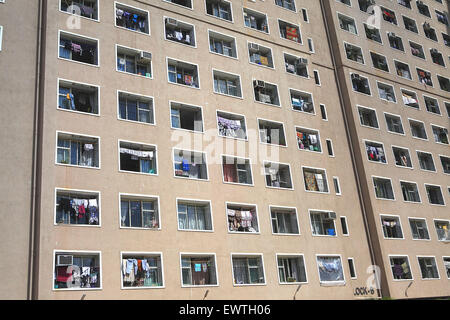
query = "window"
x=302 y=101
x=428 y=267
x=389 y=16
x=323 y=223
x=132 y=18
x=432 y=105
x=435 y=195
x=444 y=83
x=375 y=152
x=271 y=132
x=310 y=45
x=284 y=220
x=134 y=61
x=184 y=3
x=441 y=17
x=410 y=99
x=392 y=228
x=386 y=92
x=410 y=192
x=442 y=230
x=308 y=139
x=423 y=9
x=290 y=31
x=222 y=44
x=446 y=39
x=136 y=108
x=351 y=266
x=337 y=187
x=194 y=215
x=266 y=93
x=368 y=117
x=186 y=117
x=247 y=270
x=364 y=5
x=227 y=83
x=437 y=57
x=323 y=112
x=316 y=77
x=383 y=188
x=426 y=161
x=76 y=270
x=291 y=269
x=360 y=84
x=447 y=266
x=402 y=70
x=305 y=15
x=445 y=161
x=231 y=125
x=347 y=2
x=260 y=55
x=419 y=229
x=278 y=175
x=379 y=62
x=417 y=50
x=344 y=226
x=78 y=97
x=424 y=77
x=256 y=20
x=140 y=212
x=440 y=134
x=151 y=274
x=198 y=270
x=190 y=164
x=139 y=158
x=296 y=65
x=183 y=73
x=354 y=53
x=220 y=9
x=394 y=123
x=84 y=8
x=430 y=33
x=180 y=32
x=242 y=218
x=395 y=41
x=418 y=129
x=78 y=48
x=402 y=157
x=372 y=33
x=237 y=170
x=330 y=269
x=287 y=4
x=410 y=24
x=77 y=150
x=330 y=148
x=347 y=23
x=405 y=3
x=400 y=268
x=315 y=180
x=77 y=208
x=447 y=107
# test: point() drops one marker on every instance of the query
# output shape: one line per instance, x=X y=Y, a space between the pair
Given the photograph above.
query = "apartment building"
x=177 y=148
x=392 y=59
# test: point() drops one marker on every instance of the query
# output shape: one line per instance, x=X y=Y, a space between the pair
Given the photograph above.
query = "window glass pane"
x=124 y=213
x=136 y=219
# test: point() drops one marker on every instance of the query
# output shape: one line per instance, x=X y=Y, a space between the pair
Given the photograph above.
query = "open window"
x=237 y=170
x=444 y=83
x=372 y=33
x=76 y=270
x=394 y=123
x=242 y=218
x=183 y=3
x=266 y=92
x=179 y=31
x=440 y=134
x=400 y=268
x=386 y=92
x=194 y=215
x=347 y=23
x=315 y=180
x=419 y=229
x=389 y=15
x=379 y=62
x=136 y=157
x=132 y=18
x=186 y=117
x=227 y=83
x=430 y=33
x=78 y=48
x=190 y=164
x=423 y=9
x=360 y=84
x=392 y=228
x=445 y=161
x=442 y=229
x=271 y=132
x=383 y=188
x=198 y=270
x=402 y=70
x=368 y=117
x=79 y=97
x=432 y=105
x=284 y=220
x=424 y=77
x=247 y=269
x=410 y=24
x=308 y=139
x=410 y=99
x=220 y=9
x=418 y=129
x=375 y=152
x=278 y=175
x=139 y=212
x=142 y=270
x=291 y=269
x=287 y=4
x=77 y=207
x=289 y=31
x=437 y=57
x=354 y=53
x=231 y=125
x=402 y=157
x=183 y=73
x=77 y=150
x=395 y=41
x=296 y=65
x=434 y=194
x=426 y=161
x=410 y=191
x=256 y=20
x=302 y=101
x=222 y=44
x=428 y=267
x=417 y=50
x=260 y=55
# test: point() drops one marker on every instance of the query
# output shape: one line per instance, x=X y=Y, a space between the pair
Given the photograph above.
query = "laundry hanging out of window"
x=131 y=21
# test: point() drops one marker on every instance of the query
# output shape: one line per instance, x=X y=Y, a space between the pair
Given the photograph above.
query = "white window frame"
x=149 y=254
x=287 y=256
x=142 y=198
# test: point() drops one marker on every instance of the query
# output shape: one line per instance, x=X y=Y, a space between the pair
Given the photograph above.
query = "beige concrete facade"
x=108 y=240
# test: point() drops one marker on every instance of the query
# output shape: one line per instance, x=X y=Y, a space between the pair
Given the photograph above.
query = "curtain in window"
x=240 y=270
x=124 y=213
x=330 y=269
x=229 y=172
x=136 y=218
x=74 y=153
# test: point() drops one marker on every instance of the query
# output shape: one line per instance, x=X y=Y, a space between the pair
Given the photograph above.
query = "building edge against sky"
x=117 y=169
